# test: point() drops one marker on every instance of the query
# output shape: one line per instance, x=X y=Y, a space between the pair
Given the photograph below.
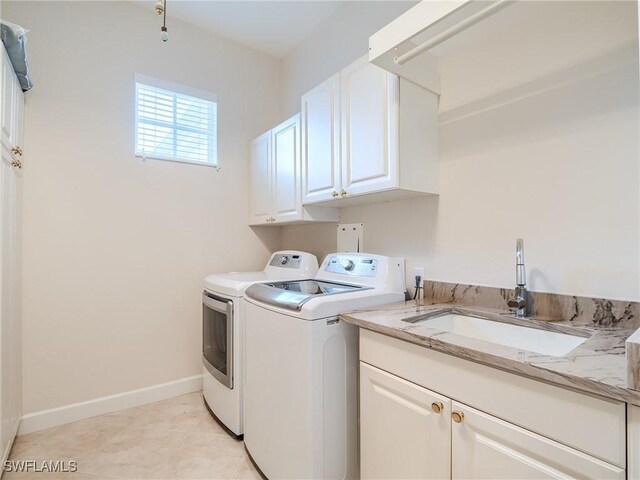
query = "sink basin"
x=515 y=336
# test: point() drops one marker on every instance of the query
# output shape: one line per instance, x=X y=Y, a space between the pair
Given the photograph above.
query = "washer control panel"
x=284 y=260
x=353 y=266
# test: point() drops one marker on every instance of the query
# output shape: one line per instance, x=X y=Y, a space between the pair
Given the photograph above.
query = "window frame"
x=182 y=90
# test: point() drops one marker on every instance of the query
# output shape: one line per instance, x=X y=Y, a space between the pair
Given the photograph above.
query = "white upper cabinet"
x=261 y=179
x=286 y=170
x=276 y=179
x=369 y=128
x=368 y=136
x=321 y=141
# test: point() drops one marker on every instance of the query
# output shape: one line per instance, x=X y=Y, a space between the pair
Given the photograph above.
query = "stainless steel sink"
x=515 y=336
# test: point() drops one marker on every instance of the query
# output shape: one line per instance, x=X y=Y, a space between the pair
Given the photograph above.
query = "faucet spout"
x=519 y=304
x=521 y=274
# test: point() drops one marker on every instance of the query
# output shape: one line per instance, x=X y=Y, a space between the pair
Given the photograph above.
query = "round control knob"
x=284 y=260
x=348 y=265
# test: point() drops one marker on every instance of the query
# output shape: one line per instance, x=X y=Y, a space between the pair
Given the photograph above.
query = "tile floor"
x=175 y=438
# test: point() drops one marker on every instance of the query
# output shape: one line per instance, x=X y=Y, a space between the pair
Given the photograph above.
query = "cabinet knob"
x=457 y=416
x=16 y=151
x=334 y=194
x=436 y=407
x=343 y=192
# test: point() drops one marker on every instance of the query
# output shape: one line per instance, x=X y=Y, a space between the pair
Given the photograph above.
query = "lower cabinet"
x=483 y=446
x=408 y=431
x=405 y=430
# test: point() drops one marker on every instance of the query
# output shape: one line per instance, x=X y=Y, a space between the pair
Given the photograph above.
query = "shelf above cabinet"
x=404 y=46
x=311 y=214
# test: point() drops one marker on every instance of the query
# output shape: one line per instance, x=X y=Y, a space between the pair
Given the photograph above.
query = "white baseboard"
x=14 y=432
x=33 y=422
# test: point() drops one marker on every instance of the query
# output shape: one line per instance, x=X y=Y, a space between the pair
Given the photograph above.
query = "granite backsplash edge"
x=583 y=311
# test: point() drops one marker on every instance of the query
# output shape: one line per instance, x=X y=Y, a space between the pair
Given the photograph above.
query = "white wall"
x=538 y=139
x=337 y=42
x=115 y=248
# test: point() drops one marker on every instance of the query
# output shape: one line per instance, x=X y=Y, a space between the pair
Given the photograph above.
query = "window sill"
x=178 y=160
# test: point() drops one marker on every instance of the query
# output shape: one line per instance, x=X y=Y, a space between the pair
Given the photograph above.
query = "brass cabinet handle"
x=457 y=416
x=16 y=163
x=16 y=151
x=436 y=407
x=334 y=194
x=343 y=192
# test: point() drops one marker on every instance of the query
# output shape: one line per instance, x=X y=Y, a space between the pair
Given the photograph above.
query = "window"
x=175 y=122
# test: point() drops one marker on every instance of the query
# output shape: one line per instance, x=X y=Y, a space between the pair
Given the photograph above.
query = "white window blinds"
x=175 y=126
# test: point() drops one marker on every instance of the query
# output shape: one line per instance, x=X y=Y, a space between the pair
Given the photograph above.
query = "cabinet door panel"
x=321 y=142
x=286 y=171
x=260 y=179
x=9 y=82
x=10 y=298
x=487 y=447
x=400 y=435
x=369 y=128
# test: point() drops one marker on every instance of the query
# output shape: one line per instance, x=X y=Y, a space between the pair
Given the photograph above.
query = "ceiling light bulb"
x=159 y=7
x=164 y=35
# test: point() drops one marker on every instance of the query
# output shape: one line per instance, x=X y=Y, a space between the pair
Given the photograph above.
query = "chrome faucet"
x=519 y=303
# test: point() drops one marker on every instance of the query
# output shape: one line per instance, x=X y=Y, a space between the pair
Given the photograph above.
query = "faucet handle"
x=517 y=303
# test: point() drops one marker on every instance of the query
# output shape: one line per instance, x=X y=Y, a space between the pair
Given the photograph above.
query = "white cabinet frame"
x=276 y=178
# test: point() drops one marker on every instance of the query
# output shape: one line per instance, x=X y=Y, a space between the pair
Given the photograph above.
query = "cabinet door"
x=17 y=130
x=9 y=85
x=401 y=436
x=369 y=128
x=486 y=447
x=10 y=298
x=261 y=179
x=321 y=142
x=286 y=196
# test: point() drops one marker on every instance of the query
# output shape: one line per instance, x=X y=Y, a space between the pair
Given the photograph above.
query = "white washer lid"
x=282 y=265
x=233 y=284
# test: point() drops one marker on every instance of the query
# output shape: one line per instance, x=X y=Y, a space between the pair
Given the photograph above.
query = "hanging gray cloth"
x=14 y=38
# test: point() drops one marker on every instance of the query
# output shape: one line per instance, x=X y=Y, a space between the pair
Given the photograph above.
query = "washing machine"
x=301 y=384
x=222 y=331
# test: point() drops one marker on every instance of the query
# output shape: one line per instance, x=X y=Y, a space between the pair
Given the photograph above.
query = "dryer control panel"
x=352 y=265
x=285 y=260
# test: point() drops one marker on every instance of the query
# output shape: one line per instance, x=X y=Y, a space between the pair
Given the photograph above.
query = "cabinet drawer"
x=588 y=423
x=483 y=447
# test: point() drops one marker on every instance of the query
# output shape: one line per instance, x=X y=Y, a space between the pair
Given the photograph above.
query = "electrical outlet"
x=418 y=272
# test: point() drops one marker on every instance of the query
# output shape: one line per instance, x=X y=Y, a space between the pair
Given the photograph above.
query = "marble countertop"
x=597 y=366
